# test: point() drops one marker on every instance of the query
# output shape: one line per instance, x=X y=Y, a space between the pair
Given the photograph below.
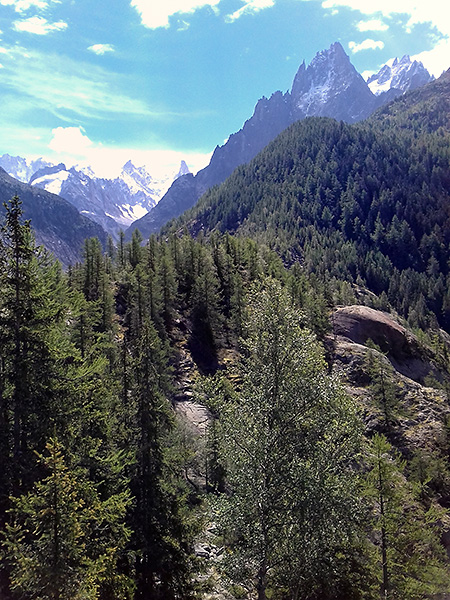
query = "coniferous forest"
x=316 y=470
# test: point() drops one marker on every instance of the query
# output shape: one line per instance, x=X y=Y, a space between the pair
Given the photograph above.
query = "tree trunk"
x=262 y=581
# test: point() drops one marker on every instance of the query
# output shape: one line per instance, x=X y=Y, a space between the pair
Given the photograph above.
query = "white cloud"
x=372 y=25
x=250 y=6
x=156 y=14
x=70 y=140
x=39 y=26
x=436 y=60
x=365 y=45
x=435 y=12
x=101 y=49
x=24 y=5
x=72 y=146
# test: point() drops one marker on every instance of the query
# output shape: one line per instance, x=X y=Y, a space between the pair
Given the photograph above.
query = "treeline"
x=95 y=497
x=365 y=203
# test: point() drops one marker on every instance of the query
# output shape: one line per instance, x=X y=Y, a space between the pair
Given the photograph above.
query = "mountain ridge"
x=329 y=86
x=113 y=203
x=57 y=224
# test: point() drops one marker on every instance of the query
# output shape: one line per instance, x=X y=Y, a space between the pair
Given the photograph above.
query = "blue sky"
x=160 y=80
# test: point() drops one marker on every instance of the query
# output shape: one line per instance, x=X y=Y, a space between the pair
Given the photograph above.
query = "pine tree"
x=64 y=542
x=411 y=560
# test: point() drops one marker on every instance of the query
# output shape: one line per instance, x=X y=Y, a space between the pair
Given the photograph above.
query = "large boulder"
x=361 y=323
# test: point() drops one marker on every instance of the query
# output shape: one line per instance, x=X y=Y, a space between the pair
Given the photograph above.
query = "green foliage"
x=88 y=358
x=63 y=542
x=288 y=437
x=411 y=561
x=362 y=203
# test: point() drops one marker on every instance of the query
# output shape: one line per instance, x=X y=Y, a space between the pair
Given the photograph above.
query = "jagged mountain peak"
x=183 y=170
x=330 y=86
x=399 y=74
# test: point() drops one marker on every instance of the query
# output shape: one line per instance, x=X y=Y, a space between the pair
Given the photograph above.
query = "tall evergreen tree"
x=161 y=536
x=31 y=309
x=288 y=438
x=64 y=542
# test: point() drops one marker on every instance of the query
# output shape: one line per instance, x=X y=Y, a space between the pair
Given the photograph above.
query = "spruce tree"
x=63 y=542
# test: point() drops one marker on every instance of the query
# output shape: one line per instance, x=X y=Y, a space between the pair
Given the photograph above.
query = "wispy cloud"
x=156 y=14
x=183 y=26
x=39 y=26
x=250 y=7
x=70 y=88
x=372 y=25
x=101 y=49
x=365 y=45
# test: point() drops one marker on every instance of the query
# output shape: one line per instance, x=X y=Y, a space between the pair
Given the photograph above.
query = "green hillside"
x=365 y=203
x=256 y=411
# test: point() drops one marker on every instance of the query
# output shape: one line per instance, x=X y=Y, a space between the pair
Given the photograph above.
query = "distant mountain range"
x=113 y=203
x=330 y=86
x=57 y=224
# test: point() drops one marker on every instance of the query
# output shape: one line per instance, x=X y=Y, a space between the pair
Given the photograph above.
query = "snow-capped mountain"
x=20 y=168
x=403 y=75
x=329 y=86
x=113 y=203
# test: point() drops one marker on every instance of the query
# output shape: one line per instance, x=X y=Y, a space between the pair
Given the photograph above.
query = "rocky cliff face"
x=409 y=367
x=330 y=86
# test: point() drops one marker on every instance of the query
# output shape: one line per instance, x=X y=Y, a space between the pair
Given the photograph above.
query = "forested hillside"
x=365 y=203
x=302 y=491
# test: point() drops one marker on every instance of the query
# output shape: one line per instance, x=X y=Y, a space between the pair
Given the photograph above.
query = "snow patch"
x=52 y=183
